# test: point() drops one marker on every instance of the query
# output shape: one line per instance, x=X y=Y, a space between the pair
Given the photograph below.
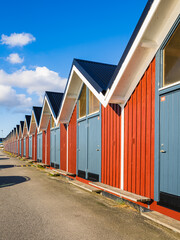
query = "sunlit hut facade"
x=14 y=141
x=50 y=130
x=119 y=125
x=33 y=131
x=17 y=139
x=120 y=142
x=21 y=140
x=26 y=136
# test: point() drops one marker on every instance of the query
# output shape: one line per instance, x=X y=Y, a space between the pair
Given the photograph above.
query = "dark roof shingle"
x=98 y=74
x=28 y=119
x=55 y=99
x=37 y=113
x=22 y=125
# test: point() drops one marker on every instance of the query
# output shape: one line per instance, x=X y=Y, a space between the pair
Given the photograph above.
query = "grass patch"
x=39 y=166
x=54 y=174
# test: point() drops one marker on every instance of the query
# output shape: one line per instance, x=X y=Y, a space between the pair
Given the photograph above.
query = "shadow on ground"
x=6 y=166
x=7 y=181
x=3 y=158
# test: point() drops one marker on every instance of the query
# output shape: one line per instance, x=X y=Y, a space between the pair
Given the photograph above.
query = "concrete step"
x=85 y=186
x=42 y=164
x=62 y=172
x=53 y=173
x=163 y=220
x=121 y=193
x=30 y=161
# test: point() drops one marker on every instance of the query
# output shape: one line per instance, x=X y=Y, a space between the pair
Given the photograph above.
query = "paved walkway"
x=36 y=206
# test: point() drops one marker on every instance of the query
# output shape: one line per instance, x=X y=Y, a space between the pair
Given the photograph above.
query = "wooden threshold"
x=121 y=193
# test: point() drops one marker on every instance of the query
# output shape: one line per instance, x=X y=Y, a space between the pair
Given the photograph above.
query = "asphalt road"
x=35 y=206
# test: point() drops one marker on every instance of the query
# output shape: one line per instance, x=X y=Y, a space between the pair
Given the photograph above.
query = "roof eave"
x=154 y=29
x=50 y=113
x=71 y=98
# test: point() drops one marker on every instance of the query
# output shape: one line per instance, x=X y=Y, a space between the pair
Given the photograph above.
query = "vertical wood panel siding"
x=72 y=142
x=27 y=147
x=63 y=146
x=139 y=119
x=33 y=147
x=22 y=146
x=43 y=146
x=47 y=147
x=18 y=147
x=111 y=145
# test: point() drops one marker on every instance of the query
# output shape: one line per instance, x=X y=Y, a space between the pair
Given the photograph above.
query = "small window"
x=93 y=103
x=82 y=103
x=52 y=123
x=171 y=58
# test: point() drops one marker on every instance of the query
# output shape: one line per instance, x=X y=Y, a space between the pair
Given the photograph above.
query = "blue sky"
x=50 y=35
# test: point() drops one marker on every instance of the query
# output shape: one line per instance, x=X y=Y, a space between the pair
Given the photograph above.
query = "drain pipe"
x=67 y=150
x=122 y=147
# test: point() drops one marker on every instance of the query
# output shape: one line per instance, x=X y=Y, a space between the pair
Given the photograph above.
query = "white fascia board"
x=65 y=94
x=132 y=50
x=41 y=115
x=42 y=112
x=20 y=131
x=32 y=114
x=25 y=127
x=99 y=96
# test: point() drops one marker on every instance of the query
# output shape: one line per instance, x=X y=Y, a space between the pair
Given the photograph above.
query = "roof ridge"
x=53 y=92
x=107 y=64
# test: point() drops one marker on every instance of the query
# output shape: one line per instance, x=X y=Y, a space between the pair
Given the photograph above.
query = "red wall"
x=72 y=143
x=43 y=146
x=18 y=147
x=22 y=147
x=139 y=119
x=34 y=146
x=27 y=147
x=111 y=145
x=63 y=146
x=47 y=145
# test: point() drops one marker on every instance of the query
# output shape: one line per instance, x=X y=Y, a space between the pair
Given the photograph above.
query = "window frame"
x=87 y=105
x=160 y=55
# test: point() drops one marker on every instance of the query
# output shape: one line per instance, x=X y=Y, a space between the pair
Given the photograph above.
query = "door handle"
x=97 y=149
x=162 y=151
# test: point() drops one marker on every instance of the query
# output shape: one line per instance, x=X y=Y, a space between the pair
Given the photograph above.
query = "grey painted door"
x=20 y=146
x=30 y=146
x=89 y=148
x=94 y=146
x=55 y=148
x=17 y=146
x=39 y=147
x=82 y=148
x=24 y=147
x=170 y=147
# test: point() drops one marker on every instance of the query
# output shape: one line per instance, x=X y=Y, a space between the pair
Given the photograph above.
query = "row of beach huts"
x=118 y=125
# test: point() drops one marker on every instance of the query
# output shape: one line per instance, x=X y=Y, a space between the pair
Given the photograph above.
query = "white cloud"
x=14 y=58
x=10 y=99
x=35 y=81
x=17 y=39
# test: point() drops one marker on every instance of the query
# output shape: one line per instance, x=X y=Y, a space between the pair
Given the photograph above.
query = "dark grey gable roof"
x=22 y=125
x=132 y=39
x=37 y=113
x=17 y=126
x=55 y=100
x=28 y=119
x=98 y=74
